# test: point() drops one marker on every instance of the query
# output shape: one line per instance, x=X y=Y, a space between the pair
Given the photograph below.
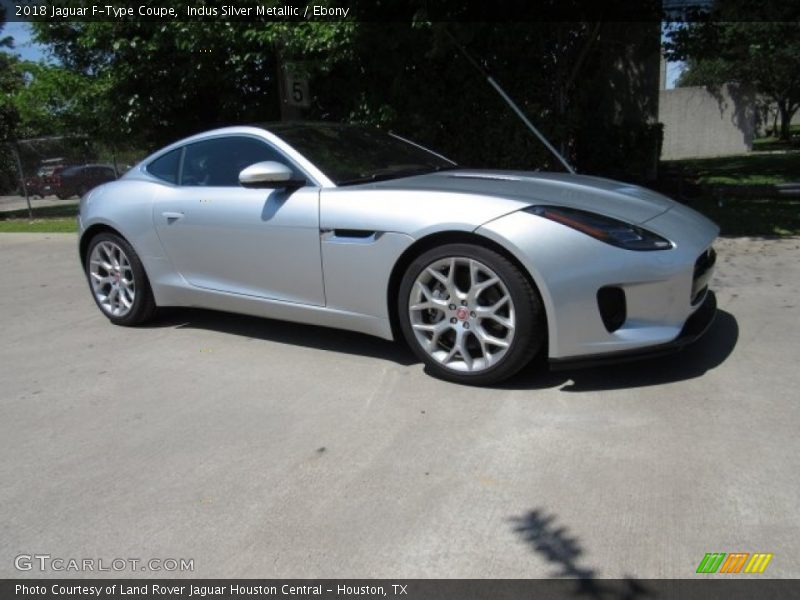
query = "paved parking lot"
x=266 y=449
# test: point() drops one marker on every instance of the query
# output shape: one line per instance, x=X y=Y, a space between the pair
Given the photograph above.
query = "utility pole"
x=15 y=150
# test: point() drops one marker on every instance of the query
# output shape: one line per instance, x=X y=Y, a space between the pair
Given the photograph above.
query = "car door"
x=222 y=236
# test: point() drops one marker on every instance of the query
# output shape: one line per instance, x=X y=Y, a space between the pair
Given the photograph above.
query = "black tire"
x=143 y=307
x=530 y=331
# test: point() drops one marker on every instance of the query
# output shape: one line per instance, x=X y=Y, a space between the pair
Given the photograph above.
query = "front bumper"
x=662 y=289
x=696 y=325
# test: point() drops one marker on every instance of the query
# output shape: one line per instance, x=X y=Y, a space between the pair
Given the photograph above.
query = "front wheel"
x=117 y=280
x=470 y=315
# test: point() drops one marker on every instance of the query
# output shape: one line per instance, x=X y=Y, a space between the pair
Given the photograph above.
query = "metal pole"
x=114 y=160
x=511 y=103
x=525 y=120
x=15 y=150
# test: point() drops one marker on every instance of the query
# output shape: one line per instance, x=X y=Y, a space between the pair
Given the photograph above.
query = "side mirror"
x=268 y=174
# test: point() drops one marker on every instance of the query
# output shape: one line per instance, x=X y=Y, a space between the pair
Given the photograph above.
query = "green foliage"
x=155 y=82
x=409 y=77
x=752 y=216
x=752 y=169
x=10 y=82
x=55 y=100
x=165 y=80
x=633 y=154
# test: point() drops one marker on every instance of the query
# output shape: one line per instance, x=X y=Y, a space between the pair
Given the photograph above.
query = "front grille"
x=703 y=269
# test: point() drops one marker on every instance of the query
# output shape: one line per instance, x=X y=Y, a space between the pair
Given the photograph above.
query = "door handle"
x=171 y=217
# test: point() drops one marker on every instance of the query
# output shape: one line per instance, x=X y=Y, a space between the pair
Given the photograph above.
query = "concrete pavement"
x=9 y=203
x=266 y=449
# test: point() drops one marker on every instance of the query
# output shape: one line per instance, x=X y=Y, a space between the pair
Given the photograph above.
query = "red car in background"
x=65 y=181
x=47 y=178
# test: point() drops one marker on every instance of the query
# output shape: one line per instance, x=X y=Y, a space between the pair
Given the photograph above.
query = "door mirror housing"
x=268 y=174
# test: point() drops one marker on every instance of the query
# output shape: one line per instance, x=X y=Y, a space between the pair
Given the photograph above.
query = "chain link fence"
x=42 y=173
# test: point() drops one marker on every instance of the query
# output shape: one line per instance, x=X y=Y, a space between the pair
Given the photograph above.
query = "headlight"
x=608 y=230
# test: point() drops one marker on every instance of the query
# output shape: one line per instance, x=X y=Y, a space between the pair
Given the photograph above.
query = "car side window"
x=219 y=161
x=166 y=167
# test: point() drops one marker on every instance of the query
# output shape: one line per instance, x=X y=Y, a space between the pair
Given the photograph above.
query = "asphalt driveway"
x=265 y=449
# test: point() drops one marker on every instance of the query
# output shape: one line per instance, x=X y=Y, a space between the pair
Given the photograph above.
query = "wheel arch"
x=91 y=232
x=437 y=239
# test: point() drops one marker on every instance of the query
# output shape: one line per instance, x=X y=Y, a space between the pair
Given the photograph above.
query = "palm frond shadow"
x=556 y=545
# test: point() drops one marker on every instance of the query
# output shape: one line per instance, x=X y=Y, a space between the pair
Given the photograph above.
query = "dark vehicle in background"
x=76 y=181
x=47 y=178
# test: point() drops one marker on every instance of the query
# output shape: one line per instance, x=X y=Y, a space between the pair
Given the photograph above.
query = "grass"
x=745 y=169
x=50 y=219
x=750 y=212
x=765 y=217
x=57 y=225
x=770 y=143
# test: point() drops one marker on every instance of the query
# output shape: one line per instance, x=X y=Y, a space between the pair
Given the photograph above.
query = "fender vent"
x=613 y=310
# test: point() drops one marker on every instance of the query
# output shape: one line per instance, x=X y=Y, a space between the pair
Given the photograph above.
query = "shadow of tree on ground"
x=557 y=546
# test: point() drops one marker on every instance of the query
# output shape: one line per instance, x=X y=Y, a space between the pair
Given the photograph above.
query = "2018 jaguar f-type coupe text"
x=348 y=227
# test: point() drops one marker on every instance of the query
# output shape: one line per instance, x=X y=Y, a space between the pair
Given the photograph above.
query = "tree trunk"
x=786 y=120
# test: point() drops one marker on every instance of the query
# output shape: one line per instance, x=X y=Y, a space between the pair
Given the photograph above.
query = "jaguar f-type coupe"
x=352 y=228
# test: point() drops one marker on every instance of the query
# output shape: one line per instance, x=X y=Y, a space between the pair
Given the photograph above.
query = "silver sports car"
x=347 y=227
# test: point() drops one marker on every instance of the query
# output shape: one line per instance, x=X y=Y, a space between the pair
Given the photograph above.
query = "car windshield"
x=349 y=154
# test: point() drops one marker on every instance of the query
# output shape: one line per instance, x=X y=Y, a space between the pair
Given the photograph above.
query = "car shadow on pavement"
x=695 y=360
x=707 y=353
x=285 y=332
x=556 y=545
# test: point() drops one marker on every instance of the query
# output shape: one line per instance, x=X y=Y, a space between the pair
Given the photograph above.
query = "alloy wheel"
x=462 y=314
x=112 y=279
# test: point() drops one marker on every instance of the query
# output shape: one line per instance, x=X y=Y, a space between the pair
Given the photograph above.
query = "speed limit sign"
x=297 y=90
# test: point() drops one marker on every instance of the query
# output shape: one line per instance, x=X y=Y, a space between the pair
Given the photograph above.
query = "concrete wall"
x=700 y=121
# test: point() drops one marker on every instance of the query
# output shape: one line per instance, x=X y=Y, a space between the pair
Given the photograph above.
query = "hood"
x=623 y=201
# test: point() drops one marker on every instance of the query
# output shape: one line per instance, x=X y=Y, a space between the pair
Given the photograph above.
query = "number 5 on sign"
x=297 y=91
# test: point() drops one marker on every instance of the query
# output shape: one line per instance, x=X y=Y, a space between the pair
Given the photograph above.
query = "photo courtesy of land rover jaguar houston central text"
x=348 y=227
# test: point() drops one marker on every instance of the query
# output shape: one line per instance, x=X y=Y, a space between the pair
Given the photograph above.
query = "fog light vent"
x=611 y=302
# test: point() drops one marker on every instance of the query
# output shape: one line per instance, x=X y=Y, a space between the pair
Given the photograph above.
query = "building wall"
x=701 y=122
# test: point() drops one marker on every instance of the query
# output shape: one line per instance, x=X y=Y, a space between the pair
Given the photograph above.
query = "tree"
x=54 y=100
x=764 y=54
x=160 y=81
x=409 y=77
x=157 y=82
x=10 y=82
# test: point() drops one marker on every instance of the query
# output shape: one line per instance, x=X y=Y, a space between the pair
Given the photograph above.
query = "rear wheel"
x=118 y=282
x=470 y=314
